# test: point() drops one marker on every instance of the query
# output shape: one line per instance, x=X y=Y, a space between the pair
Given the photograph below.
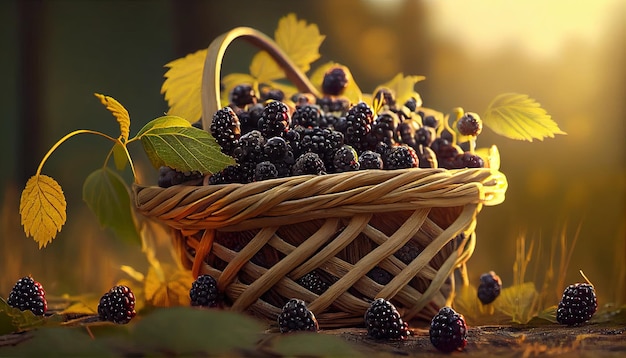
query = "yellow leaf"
x=518 y=116
x=352 y=91
x=119 y=112
x=169 y=287
x=519 y=302
x=403 y=87
x=182 y=86
x=42 y=209
x=133 y=273
x=299 y=40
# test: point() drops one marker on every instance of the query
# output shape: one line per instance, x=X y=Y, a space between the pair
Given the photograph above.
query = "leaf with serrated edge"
x=519 y=302
x=520 y=117
x=170 y=290
x=184 y=149
x=107 y=196
x=403 y=87
x=352 y=91
x=119 y=112
x=42 y=209
x=182 y=86
x=163 y=122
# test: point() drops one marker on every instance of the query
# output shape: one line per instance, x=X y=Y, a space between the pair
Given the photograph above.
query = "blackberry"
x=225 y=129
x=265 y=170
x=383 y=321
x=345 y=159
x=169 y=177
x=380 y=276
x=28 y=294
x=470 y=124
x=466 y=160
x=204 y=292
x=384 y=127
x=578 y=304
x=308 y=163
x=448 y=331
x=412 y=104
x=358 y=124
x=243 y=95
x=386 y=96
x=430 y=121
x=407 y=253
x=323 y=142
x=275 y=120
x=405 y=134
x=445 y=151
x=332 y=104
x=230 y=174
x=370 y=160
x=275 y=149
x=401 y=157
x=313 y=282
x=117 y=305
x=271 y=94
x=251 y=147
x=425 y=136
x=295 y=316
x=249 y=118
x=308 y=115
x=489 y=288
x=335 y=81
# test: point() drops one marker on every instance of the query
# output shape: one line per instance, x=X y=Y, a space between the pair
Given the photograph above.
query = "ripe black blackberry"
x=295 y=316
x=407 y=253
x=425 y=136
x=313 y=282
x=370 y=160
x=489 y=287
x=401 y=157
x=465 y=160
x=308 y=115
x=275 y=149
x=251 y=146
x=117 y=305
x=470 y=124
x=379 y=275
x=275 y=120
x=358 y=124
x=322 y=141
x=445 y=151
x=243 y=95
x=28 y=294
x=386 y=96
x=405 y=134
x=249 y=118
x=448 y=331
x=308 y=163
x=204 y=292
x=430 y=121
x=345 y=159
x=384 y=127
x=265 y=170
x=169 y=177
x=334 y=104
x=225 y=129
x=412 y=104
x=578 y=304
x=335 y=81
x=383 y=321
x=271 y=94
x=229 y=175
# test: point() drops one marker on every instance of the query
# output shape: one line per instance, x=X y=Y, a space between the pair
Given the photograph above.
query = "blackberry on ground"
x=117 y=305
x=204 y=292
x=358 y=124
x=275 y=120
x=28 y=294
x=448 y=331
x=401 y=157
x=229 y=175
x=242 y=95
x=308 y=163
x=470 y=124
x=308 y=115
x=489 y=287
x=383 y=321
x=313 y=282
x=225 y=129
x=265 y=170
x=370 y=160
x=335 y=81
x=295 y=316
x=578 y=304
x=345 y=159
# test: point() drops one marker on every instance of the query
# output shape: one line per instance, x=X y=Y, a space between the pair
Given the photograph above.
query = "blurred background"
x=568 y=55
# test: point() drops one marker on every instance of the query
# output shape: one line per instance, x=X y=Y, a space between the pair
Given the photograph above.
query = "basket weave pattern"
x=341 y=225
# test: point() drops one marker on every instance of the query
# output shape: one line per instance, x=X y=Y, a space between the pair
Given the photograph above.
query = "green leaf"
x=106 y=194
x=183 y=147
x=309 y=344
x=119 y=156
x=517 y=116
x=59 y=342
x=14 y=320
x=189 y=331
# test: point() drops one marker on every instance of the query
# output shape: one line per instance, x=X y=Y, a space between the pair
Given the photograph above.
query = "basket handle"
x=213 y=63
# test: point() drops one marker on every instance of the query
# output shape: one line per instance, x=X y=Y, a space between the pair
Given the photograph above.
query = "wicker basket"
x=257 y=239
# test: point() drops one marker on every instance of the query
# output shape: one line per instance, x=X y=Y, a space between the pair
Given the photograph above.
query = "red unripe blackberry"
x=578 y=304
x=335 y=81
x=470 y=124
x=448 y=331
x=204 y=292
x=383 y=321
x=28 y=294
x=295 y=316
x=489 y=287
x=117 y=305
